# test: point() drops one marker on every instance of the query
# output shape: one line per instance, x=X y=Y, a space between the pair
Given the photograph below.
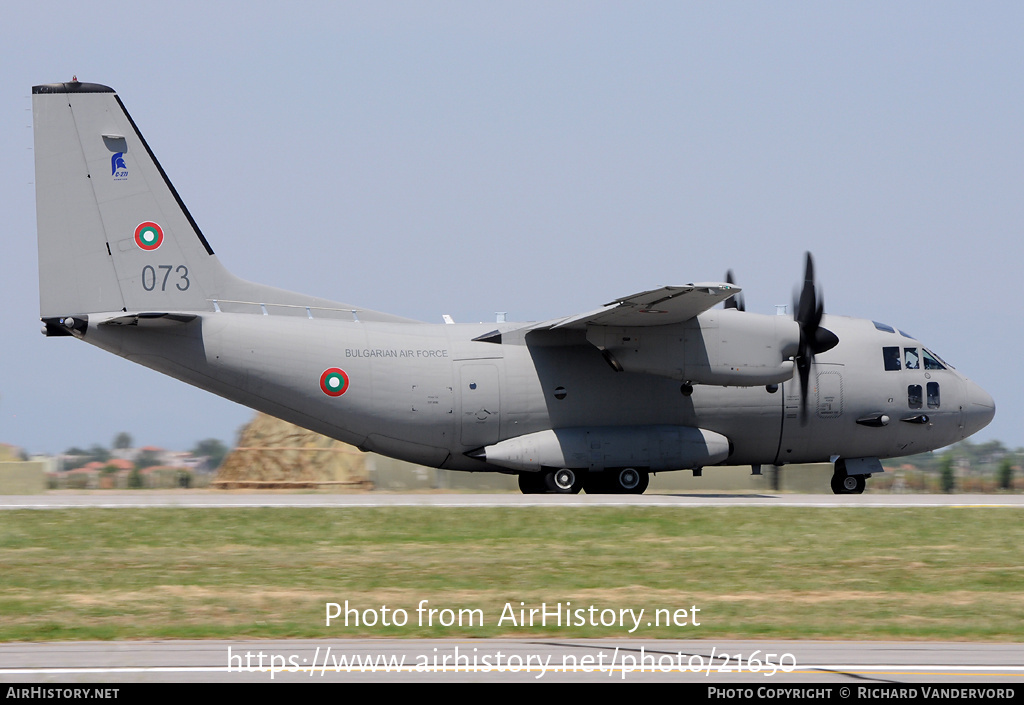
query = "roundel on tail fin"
x=149 y=235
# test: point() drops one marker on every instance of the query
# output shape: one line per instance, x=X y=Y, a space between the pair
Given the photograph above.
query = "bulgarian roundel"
x=334 y=382
x=149 y=235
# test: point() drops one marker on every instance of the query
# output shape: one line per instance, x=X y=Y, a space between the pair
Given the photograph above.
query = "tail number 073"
x=151 y=278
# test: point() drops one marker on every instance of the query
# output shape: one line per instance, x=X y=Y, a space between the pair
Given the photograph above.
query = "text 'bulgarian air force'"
x=395 y=352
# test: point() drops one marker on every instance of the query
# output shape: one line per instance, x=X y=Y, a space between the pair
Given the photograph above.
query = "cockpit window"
x=891 y=355
x=905 y=334
x=884 y=328
x=911 y=360
x=931 y=363
x=935 y=360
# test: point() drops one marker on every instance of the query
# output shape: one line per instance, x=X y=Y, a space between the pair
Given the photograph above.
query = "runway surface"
x=761 y=663
x=222 y=499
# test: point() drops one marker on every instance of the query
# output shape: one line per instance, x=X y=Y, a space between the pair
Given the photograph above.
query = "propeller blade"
x=807 y=312
x=736 y=301
x=803 y=367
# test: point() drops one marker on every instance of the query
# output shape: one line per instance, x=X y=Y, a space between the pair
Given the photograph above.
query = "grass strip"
x=867 y=573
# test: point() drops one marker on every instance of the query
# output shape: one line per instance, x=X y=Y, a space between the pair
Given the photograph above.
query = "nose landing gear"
x=847 y=484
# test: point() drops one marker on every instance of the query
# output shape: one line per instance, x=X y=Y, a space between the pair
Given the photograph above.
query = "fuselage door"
x=803 y=439
x=480 y=403
x=830 y=394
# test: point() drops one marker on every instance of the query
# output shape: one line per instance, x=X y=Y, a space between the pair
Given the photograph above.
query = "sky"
x=540 y=158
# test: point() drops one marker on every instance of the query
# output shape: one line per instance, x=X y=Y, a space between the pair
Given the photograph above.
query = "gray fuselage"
x=429 y=394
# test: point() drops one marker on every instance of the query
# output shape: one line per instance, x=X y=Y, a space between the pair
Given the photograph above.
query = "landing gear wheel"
x=563 y=480
x=531 y=483
x=629 y=481
x=848 y=484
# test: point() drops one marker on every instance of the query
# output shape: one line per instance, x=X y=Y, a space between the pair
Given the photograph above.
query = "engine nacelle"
x=595 y=448
x=722 y=347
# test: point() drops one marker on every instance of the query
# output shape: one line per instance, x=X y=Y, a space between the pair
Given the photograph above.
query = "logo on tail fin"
x=118 y=168
x=149 y=236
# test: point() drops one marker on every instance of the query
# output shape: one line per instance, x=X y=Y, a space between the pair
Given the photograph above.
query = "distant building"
x=9 y=453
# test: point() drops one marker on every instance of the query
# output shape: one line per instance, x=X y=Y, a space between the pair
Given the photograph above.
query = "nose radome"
x=979 y=408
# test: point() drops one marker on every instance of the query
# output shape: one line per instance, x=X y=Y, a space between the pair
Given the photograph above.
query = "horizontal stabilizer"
x=150 y=319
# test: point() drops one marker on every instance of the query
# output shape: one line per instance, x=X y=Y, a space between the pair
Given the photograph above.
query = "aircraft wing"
x=657 y=307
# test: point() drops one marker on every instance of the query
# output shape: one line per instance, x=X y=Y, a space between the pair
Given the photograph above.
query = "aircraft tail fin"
x=114 y=236
x=113 y=233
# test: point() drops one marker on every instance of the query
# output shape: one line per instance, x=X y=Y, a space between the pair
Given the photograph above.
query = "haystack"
x=272 y=453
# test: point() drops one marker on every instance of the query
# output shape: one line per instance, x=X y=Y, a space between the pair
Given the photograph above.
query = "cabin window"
x=914 y=396
x=931 y=362
x=891 y=355
x=933 y=395
x=911 y=359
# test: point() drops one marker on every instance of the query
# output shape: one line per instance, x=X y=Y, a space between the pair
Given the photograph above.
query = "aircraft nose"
x=979 y=408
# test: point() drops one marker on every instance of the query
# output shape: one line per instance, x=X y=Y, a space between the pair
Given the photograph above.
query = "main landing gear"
x=551 y=481
x=571 y=481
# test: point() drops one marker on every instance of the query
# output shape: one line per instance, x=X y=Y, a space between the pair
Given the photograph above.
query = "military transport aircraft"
x=657 y=381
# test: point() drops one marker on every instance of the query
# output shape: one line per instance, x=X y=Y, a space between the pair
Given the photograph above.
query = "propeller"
x=814 y=338
x=737 y=302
